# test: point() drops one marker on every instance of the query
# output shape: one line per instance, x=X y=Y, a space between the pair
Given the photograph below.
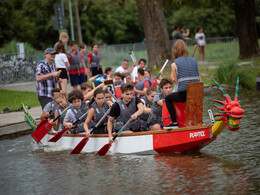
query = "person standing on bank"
x=185 y=70
x=78 y=68
x=62 y=64
x=63 y=38
x=46 y=77
x=201 y=42
x=94 y=60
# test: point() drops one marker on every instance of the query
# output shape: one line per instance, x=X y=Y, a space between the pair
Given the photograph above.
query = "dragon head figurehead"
x=231 y=111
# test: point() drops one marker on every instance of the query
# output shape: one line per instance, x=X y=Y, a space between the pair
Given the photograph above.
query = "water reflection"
x=201 y=174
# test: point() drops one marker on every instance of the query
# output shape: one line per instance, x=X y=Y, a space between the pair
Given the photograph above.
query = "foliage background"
x=107 y=21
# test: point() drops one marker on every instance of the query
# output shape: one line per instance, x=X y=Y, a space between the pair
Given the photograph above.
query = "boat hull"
x=150 y=142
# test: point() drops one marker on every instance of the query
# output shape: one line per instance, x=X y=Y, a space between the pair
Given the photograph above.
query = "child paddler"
x=51 y=106
x=155 y=118
x=148 y=101
x=126 y=107
x=75 y=112
x=98 y=107
x=62 y=104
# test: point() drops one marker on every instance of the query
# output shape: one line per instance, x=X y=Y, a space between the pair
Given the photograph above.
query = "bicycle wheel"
x=27 y=72
x=6 y=75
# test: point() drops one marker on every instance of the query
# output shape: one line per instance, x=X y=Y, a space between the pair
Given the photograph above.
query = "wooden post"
x=194 y=104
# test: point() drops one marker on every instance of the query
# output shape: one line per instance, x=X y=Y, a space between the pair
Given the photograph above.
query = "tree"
x=246 y=28
x=155 y=30
x=245 y=21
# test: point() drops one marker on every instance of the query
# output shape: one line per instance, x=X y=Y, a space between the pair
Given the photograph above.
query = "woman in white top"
x=62 y=63
x=201 y=42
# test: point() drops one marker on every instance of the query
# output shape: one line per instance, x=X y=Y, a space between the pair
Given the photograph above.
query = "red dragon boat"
x=191 y=134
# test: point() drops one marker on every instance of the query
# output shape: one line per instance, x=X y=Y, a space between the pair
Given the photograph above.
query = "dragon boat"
x=191 y=135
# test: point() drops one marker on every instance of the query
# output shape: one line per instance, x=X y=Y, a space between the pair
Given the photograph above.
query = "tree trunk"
x=155 y=30
x=246 y=29
x=78 y=21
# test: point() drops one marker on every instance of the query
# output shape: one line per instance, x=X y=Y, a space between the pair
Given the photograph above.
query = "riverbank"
x=12 y=124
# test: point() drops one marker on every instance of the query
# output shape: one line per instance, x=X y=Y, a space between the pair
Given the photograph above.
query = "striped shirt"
x=44 y=87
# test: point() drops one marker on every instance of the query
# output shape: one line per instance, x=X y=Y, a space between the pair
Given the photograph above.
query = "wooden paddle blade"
x=103 y=150
x=59 y=135
x=80 y=146
x=40 y=132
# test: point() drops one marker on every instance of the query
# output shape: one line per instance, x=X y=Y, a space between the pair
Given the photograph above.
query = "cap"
x=49 y=51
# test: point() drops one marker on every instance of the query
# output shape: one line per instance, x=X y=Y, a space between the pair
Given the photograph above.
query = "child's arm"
x=57 y=122
x=69 y=117
x=140 y=111
x=160 y=102
x=90 y=116
x=109 y=128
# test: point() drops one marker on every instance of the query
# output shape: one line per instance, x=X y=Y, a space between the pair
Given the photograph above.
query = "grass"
x=12 y=99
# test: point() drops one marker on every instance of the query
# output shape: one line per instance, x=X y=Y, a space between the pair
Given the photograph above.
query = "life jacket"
x=153 y=80
x=83 y=106
x=61 y=119
x=85 y=59
x=125 y=114
x=53 y=109
x=75 y=62
x=155 y=117
x=187 y=71
x=80 y=125
x=157 y=109
x=140 y=85
x=100 y=113
x=96 y=59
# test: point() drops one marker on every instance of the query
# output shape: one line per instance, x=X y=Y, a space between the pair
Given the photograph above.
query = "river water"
x=229 y=165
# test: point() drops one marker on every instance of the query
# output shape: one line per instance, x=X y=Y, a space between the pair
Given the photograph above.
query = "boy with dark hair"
x=126 y=107
x=75 y=112
x=155 y=118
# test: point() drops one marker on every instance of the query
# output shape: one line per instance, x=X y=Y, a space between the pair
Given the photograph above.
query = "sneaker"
x=172 y=126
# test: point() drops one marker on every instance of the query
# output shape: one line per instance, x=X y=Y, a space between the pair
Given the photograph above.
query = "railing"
x=21 y=67
x=217 y=49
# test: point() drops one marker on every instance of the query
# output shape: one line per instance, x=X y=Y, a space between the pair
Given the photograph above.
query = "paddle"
x=194 y=50
x=84 y=141
x=58 y=78
x=42 y=130
x=105 y=148
x=160 y=72
x=43 y=121
x=132 y=55
x=65 y=130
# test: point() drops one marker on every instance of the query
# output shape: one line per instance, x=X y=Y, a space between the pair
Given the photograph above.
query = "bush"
x=11 y=47
x=228 y=71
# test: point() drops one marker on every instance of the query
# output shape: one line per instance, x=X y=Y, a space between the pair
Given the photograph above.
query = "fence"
x=21 y=67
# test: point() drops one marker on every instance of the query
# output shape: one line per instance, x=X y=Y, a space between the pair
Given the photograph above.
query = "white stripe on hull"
x=131 y=144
